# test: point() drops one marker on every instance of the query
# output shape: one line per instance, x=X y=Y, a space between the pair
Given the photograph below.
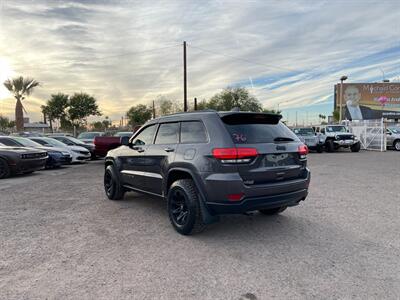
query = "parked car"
x=309 y=137
x=88 y=137
x=26 y=134
x=393 y=137
x=56 y=157
x=71 y=141
x=78 y=154
x=59 y=134
x=210 y=163
x=338 y=136
x=103 y=144
x=20 y=160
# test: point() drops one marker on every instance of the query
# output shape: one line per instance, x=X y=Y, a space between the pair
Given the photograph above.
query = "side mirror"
x=389 y=133
x=124 y=140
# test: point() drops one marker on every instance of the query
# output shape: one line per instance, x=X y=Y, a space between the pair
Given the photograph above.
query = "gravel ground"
x=61 y=238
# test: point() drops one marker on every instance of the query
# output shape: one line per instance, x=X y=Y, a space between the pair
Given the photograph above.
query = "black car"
x=56 y=157
x=71 y=141
x=210 y=163
x=19 y=160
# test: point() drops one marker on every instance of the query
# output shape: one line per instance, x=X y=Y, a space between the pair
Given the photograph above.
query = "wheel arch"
x=395 y=141
x=173 y=175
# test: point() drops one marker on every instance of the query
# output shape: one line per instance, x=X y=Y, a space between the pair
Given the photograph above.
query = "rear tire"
x=330 y=147
x=396 y=145
x=184 y=207
x=112 y=185
x=355 y=147
x=320 y=149
x=4 y=169
x=273 y=211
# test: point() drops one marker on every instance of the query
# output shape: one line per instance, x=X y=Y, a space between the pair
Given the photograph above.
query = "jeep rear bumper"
x=256 y=203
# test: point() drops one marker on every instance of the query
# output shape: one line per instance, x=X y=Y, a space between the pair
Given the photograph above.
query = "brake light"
x=234 y=155
x=235 y=197
x=303 y=150
x=225 y=153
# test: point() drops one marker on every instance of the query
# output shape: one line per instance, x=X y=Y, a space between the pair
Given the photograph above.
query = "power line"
x=242 y=59
x=98 y=58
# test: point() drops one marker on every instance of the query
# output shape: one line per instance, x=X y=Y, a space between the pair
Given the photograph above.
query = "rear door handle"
x=169 y=149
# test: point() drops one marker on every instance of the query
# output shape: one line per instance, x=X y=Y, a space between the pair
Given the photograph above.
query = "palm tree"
x=20 y=87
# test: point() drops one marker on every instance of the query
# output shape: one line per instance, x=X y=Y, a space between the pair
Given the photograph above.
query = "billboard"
x=363 y=101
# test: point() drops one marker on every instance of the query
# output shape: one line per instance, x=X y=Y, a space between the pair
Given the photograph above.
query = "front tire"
x=4 y=169
x=112 y=185
x=330 y=147
x=319 y=148
x=184 y=207
x=273 y=211
x=355 y=147
x=396 y=145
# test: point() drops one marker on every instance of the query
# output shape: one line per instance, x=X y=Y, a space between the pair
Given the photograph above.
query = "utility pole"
x=184 y=79
x=296 y=118
x=195 y=103
x=154 y=110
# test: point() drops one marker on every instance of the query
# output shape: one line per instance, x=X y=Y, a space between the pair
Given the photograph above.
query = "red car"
x=103 y=144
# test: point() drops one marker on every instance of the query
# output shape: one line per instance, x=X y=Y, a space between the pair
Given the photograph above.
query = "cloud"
x=128 y=52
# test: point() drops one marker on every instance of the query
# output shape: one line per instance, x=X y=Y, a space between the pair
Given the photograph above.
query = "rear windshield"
x=304 y=131
x=255 y=129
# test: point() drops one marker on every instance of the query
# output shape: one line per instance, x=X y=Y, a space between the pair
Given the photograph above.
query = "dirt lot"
x=60 y=238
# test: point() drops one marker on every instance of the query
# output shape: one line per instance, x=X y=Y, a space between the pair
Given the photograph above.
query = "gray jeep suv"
x=209 y=163
x=314 y=141
x=393 y=137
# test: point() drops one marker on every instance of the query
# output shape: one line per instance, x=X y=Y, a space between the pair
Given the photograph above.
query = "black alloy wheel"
x=179 y=208
x=112 y=186
x=184 y=207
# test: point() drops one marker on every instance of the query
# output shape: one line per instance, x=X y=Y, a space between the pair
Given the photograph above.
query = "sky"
x=289 y=54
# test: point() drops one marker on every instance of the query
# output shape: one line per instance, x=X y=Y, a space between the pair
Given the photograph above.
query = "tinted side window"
x=8 y=142
x=41 y=142
x=65 y=141
x=193 y=132
x=168 y=133
x=145 y=137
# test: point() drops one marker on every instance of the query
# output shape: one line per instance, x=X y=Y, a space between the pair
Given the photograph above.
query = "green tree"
x=106 y=123
x=4 y=123
x=336 y=115
x=231 y=98
x=56 y=109
x=20 y=87
x=47 y=115
x=81 y=106
x=166 y=106
x=271 y=111
x=58 y=105
x=139 y=114
x=97 y=125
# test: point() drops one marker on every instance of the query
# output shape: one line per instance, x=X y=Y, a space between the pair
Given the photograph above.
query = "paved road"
x=60 y=238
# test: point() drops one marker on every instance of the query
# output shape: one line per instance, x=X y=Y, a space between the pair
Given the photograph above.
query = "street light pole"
x=343 y=78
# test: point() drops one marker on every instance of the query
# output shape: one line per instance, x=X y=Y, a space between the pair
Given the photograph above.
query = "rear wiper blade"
x=283 y=139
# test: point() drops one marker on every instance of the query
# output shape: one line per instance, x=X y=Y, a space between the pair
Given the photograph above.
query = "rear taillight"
x=235 y=197
x=234 y=155
x=303 y=151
